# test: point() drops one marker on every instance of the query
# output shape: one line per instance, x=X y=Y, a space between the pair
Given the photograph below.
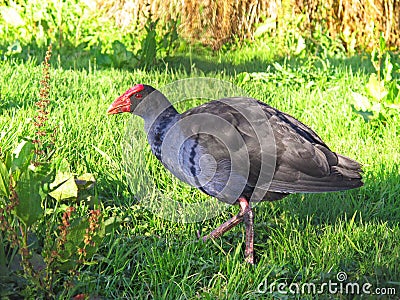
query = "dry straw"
x=357 y=23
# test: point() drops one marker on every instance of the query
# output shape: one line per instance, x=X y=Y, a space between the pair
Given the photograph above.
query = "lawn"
x=305 y=238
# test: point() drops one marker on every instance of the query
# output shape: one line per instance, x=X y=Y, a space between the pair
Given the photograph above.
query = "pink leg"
x=248 y=223
x=245 y=214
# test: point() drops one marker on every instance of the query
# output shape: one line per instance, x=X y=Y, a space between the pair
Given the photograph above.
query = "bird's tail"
x=350 y=171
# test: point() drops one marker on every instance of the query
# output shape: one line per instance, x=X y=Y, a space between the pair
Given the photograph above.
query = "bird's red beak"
x=120 y=105
x=123 y=102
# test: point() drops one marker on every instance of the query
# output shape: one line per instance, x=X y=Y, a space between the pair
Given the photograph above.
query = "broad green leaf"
x=47 y=173
x=103 y=59
x=76 y=234
x=360 y=102
x=67 y=187
x=376 y=87
x=120 y=53
x=22 y=155
x=75 y=239
x=367 y=115
x=393 y=95
x=14 y=48
x=149 y=48
x=29 y=208
x=362 y=106
x=4 y=180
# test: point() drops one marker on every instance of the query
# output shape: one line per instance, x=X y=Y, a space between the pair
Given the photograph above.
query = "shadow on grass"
x=200 y=59
x=377 y=201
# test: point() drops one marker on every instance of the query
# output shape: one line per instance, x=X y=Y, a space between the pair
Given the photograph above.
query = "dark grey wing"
x=304 y=163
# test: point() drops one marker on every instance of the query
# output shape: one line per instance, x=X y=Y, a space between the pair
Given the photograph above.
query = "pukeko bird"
x=238 y=150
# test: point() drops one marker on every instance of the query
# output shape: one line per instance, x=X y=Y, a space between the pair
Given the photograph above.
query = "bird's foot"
x=250 y=259
x=204 y=238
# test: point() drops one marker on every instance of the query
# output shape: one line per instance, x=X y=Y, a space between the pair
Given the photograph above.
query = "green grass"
x=303 y=238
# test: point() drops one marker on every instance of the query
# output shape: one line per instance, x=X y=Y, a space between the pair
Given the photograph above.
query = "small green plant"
x=155 y=42
x=24 y=181
x=76 y=29
x=383 y=98
x=284 y=74
x=45 y=225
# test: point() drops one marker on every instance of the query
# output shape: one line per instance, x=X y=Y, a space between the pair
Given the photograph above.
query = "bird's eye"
x=138 y=96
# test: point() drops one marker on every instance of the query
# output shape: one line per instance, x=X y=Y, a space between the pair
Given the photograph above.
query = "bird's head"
x=128 y=101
